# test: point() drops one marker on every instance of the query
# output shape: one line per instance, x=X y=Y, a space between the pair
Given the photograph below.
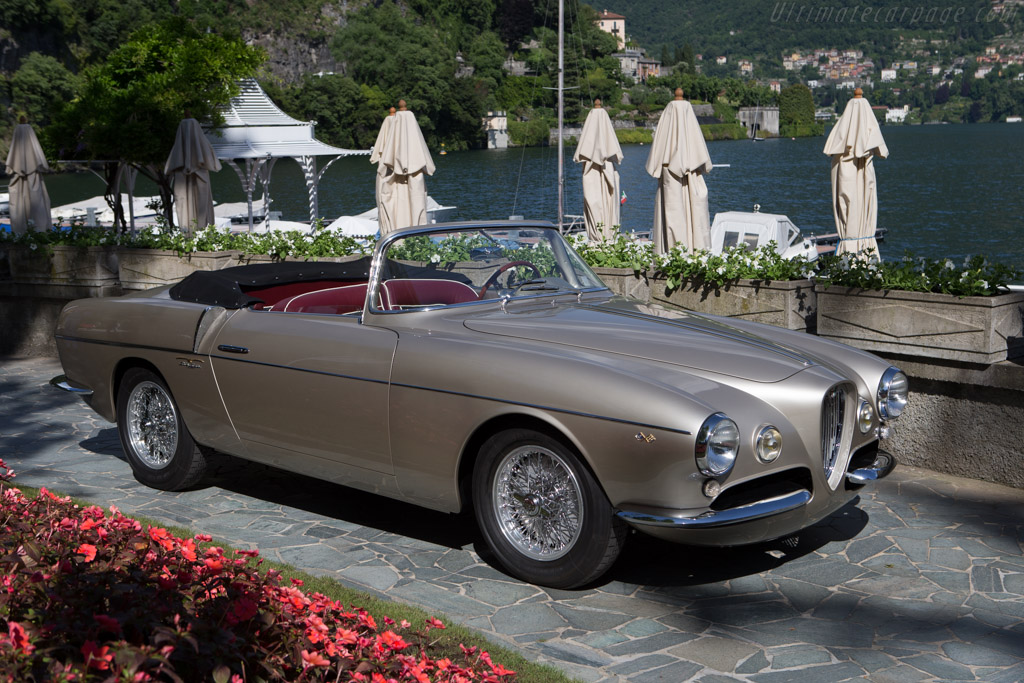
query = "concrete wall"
x=760 y=120
x=963 y=419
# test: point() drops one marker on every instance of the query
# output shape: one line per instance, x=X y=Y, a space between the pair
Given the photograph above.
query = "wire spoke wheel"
x=538 y=503
x=156 y=441
x=542 y=512
x=152 y=425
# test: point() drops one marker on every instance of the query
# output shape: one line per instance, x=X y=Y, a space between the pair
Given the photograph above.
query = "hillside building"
x=615 y=24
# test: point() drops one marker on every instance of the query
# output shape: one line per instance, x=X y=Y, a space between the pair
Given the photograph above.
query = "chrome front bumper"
x=640 y=516
x=63 y=383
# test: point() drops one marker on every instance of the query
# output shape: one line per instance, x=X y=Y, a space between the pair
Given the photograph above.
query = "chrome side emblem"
x=193 y=363
x=647 y=438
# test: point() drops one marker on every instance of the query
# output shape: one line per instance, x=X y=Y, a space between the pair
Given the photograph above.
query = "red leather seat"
x=398 y=294
x=333 y=301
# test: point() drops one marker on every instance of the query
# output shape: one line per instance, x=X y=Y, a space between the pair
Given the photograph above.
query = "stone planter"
x=789 y=304
x=148 y=268
x=60 y=271
x=973 y=329
x=625 y=282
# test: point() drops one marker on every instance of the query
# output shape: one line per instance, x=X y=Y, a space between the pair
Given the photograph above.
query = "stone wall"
x=963 y=419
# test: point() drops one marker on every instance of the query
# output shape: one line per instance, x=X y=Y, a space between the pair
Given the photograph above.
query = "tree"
x=40 y=86
x=129 y=108
x=796 y=105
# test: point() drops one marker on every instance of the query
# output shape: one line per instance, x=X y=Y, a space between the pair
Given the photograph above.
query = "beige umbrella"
x=191 y=160
x=405 y=153
x=29 y=201
x=599 y=152
x=382 y=188
x=679 y=159
x=853 y=144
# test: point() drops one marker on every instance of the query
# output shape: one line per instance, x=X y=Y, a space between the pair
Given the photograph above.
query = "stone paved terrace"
x=922 y=580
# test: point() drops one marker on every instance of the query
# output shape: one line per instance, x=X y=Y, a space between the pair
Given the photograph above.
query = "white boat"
x=365 y=224
x=754 y=230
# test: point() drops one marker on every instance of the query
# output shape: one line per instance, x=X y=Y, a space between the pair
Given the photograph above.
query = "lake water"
x=945 y=191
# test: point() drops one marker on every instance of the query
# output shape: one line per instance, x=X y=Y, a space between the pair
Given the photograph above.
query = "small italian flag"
x=622 y=199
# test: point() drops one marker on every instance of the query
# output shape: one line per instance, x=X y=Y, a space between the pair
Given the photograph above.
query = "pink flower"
x=203 y=538
x=435 y=623
x=243 y=609
x=96 y=657
x=314 y=659
x=19 y=638
x=393 y=640
x=107 y=623
x=88 y=550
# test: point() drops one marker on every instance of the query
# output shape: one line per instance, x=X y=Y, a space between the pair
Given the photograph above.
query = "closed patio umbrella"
x=599 y=152
x=29 y=201
x=191 y=160
x=853 y=144
x=679 y=159
x=405 y=153
x=382 y=189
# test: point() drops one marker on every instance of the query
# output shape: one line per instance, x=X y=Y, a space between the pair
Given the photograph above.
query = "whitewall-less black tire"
x=542 y=512
x=154 y=437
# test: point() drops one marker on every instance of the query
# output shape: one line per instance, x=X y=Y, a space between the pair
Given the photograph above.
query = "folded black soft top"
x=227 y=287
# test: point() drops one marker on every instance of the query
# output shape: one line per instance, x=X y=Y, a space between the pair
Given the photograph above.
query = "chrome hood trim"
x=636 y=330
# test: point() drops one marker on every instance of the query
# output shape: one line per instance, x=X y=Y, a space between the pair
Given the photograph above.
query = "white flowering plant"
x=975 y=276
x=680 y=266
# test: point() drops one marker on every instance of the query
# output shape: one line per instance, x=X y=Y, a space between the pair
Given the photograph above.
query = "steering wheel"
x=511 y=264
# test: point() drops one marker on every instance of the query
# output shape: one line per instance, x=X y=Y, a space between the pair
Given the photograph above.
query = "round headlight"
x=769 y=444
x=865 y=417
x=717 y=444
x=892 y=394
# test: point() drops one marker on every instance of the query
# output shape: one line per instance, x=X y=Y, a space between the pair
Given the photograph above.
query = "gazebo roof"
x=254 y=127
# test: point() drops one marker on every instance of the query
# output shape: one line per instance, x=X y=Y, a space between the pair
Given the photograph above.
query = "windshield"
x=455 y=266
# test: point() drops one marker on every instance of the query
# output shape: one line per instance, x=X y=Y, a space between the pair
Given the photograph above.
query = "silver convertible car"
x=485 y=366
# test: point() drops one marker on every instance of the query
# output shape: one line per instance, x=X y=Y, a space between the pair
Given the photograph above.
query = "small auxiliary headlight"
x=768 y=444
x=892 y=394
x=717 y=444
x=712 y=488
x=865 y=417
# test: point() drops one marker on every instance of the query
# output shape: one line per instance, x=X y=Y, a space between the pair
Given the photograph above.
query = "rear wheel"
x=542 y=512
x=154 y=437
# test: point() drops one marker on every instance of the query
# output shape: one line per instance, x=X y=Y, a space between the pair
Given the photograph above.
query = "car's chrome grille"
x=833 y=411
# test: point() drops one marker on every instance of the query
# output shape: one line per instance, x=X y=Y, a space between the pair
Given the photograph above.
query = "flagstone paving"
x=921 y=580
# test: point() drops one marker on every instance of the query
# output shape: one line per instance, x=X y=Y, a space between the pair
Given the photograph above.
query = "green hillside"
x=749 y=28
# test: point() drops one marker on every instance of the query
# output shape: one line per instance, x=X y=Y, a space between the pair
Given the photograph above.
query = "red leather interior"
x=401 y=293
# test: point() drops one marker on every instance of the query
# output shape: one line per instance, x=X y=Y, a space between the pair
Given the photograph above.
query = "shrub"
x=89 y=595
x=680 y=265
x=976 y=276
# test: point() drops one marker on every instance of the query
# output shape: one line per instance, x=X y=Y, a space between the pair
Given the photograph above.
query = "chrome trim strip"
x=883 y=465
x=63 y=383
x=449 y=392
x=710 y=519
x=103 y=342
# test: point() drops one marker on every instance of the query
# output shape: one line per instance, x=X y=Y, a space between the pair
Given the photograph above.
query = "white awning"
x=254 y=127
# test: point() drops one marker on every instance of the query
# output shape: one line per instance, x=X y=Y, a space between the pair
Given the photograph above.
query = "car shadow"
x=653 y=562
x=273 y=485
x=645 y=560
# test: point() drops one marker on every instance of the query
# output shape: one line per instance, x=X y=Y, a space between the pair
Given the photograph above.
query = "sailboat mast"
x=561 y=110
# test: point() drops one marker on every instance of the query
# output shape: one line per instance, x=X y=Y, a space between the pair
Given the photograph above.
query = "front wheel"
x=542 y=512
x=154 y=437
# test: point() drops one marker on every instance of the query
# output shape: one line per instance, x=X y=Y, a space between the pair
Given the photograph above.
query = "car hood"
x=638 y=330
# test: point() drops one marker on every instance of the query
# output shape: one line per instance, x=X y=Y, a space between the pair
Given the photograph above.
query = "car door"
x=301 y=385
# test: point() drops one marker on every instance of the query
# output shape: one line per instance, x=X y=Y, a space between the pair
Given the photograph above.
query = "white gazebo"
x=257 y=133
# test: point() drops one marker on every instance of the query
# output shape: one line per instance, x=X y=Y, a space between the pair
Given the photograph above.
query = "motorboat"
x=754 y=230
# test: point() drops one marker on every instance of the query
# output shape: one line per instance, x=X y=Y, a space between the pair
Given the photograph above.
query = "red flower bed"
x=88 y=595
